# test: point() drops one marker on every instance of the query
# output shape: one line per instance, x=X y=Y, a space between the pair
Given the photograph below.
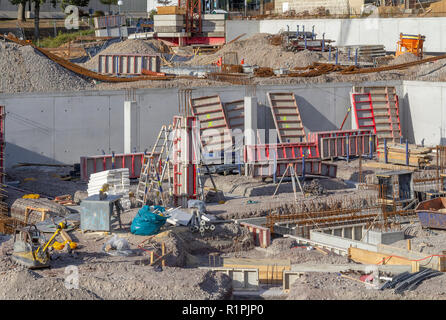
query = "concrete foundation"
x=62 y=127
x=384 y=237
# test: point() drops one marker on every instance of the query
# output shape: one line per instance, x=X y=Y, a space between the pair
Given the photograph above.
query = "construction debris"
x=274 y=192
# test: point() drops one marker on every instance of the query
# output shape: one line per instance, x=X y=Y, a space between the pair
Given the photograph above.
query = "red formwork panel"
x=93 y=164
x=318 y=135
x=261 y=235
x=281 y=151
x=332 y=144
x=312 y=167
x=175 y=41
x=363 y=110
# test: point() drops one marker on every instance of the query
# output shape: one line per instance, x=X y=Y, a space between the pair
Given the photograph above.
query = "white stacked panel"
x=118 y=181
x=213 y=25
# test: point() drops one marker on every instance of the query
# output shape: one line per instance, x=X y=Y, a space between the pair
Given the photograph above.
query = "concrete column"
x=131 y=127
x=250 y=120
x=250 y=110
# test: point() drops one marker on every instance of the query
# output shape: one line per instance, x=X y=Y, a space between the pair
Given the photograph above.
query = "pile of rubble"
x=26 y=70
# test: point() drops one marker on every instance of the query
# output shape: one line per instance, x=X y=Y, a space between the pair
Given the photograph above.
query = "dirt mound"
x=257 y=50
x=129 y=282
x=116 y=281
x=129 y=46
x=404 y=58
x=28 y=285
x=26 y=70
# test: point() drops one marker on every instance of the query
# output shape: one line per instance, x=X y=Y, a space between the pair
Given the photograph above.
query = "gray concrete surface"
x=339 y=241
x=62 y=127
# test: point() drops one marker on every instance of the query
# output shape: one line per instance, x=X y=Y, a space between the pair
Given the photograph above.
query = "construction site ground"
x=130 y=277
x=103 y=275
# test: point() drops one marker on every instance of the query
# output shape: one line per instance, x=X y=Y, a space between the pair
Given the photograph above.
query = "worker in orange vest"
x=242 y=62
x=220 y=61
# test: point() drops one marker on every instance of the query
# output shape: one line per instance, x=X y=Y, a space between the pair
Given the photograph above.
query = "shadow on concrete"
x=15 y=154
x=406 y=123
x=312 y=119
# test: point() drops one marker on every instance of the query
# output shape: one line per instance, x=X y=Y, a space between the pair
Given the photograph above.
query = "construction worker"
x=220 y=61
x=242 y=62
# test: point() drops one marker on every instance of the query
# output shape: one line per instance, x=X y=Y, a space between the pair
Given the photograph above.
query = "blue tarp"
x=147 y=223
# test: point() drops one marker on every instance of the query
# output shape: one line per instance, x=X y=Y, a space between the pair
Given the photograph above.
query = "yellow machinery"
x=410 y=43
x=30 y=248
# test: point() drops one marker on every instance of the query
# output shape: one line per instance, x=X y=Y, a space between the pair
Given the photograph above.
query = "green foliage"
x=17 y=2
x=109 y=2
x=62 y=38
x=78 y=3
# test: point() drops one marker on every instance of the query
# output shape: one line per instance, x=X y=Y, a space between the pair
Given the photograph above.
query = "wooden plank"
x=370 y=257
x=382 y=165
x=257 y=262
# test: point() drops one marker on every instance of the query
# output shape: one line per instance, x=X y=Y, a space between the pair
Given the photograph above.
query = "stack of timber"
x=396 y=153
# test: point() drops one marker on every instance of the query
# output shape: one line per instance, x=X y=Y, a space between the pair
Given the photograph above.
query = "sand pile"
x=257 y=50
x=404 y=58
x=26 y=70
x=129 y=46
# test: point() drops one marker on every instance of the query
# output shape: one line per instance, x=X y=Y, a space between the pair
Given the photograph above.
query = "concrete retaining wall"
x=334 y=6
x=424 y=112
x=383 y=31
x=62 y=127
x=339 y=241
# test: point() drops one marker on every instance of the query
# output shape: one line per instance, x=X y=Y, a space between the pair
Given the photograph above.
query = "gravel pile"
x=257 y=50
x=404 y=58
x=26 y=70
x=330 y=286
x=129 y=46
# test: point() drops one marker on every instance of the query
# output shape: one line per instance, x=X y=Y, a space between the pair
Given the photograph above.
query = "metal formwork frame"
x=208 y=113
x=390 y=107
x=235 y=113
x=391 y=122
x=129 y=161
x=285 y=124
x=357 y=111
x=185 y=159
x=331 y=147
x=282 y=151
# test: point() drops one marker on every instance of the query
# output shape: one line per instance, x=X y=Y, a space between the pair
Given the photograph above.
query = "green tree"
x=79 y=3
x=64 y=3
x=109 y=3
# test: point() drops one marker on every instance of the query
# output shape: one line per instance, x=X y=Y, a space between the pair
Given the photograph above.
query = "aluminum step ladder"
x=153 y=168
